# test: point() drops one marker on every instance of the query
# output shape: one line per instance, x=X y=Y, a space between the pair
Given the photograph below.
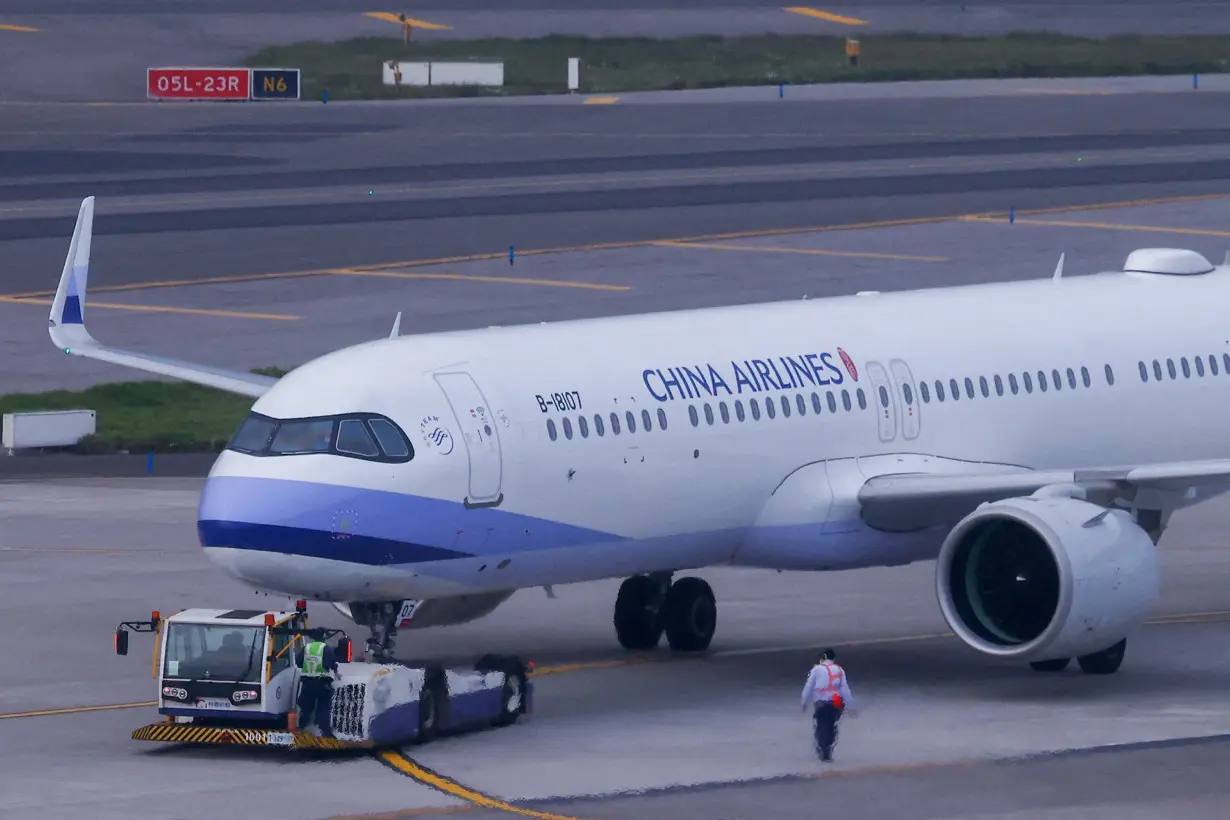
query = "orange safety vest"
x=832 y=689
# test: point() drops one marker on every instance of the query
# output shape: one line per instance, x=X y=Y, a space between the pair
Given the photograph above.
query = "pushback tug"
x=229 y=676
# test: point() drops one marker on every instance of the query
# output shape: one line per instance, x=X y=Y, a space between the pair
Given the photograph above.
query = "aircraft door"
x=477 y=423
x=883 y=401
x=907 y=391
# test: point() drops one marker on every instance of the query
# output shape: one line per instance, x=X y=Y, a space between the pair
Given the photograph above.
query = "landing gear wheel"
x=1056 y=665
x=637 y=621
x=433 y=692
x=1105 y=662
x=690 y=615
x=512 y=696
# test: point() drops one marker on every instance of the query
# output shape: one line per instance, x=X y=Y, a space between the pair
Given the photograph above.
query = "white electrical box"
x=52 y=428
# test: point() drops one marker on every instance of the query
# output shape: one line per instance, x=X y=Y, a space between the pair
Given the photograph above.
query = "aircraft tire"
x=1054 y=665
x=638 y=623
x=1105 y=662
x=690 y=614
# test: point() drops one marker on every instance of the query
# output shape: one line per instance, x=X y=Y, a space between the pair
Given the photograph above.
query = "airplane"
x=1032 y=438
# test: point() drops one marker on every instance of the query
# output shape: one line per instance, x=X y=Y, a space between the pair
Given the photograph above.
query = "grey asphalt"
x=932 y=712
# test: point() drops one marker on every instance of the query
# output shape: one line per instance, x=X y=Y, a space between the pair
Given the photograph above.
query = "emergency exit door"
x=907 y=391
x=883 y=401
x=476 y=422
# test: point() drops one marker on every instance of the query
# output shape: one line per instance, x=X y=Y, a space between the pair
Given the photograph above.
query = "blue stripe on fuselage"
x=368 y=526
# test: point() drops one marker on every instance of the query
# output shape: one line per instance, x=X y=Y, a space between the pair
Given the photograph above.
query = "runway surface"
x=78 y=557
x=112 y=43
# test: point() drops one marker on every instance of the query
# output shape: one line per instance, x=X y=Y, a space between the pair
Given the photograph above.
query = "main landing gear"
x=1105 y=662
x=648 y=605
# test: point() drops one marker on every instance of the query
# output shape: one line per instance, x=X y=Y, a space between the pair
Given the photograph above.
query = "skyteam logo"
x=436 y=434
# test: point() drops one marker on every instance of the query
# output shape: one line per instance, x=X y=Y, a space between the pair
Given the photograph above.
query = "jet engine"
x=1041 y=578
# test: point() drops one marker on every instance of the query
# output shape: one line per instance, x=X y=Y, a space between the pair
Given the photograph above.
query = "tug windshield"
x=215 y=652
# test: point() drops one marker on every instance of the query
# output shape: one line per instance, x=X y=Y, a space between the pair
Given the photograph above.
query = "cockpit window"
x=354 y=435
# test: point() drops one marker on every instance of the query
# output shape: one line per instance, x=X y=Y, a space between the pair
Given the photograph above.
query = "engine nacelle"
x=1041 y=578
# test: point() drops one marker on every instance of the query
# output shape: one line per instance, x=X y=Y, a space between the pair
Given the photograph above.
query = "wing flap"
x=68 y=331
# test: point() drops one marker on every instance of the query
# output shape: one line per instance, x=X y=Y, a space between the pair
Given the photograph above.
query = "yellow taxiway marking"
x=400 y=763
x=599 y=100
x=234 y=314
x=390 y=17
x=814 y=251
x=5 y=27
x=458 y=277
x=1106 y=226
x=602 y=246
x=825 y=15
x=73 y=710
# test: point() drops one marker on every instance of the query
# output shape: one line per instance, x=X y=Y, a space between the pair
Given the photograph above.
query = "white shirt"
x=826 y=678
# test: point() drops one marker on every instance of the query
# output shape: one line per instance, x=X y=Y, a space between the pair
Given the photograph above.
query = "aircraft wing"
x=908 y=501
x=67 y=326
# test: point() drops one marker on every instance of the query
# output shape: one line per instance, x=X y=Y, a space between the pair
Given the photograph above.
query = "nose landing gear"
x=382 y=620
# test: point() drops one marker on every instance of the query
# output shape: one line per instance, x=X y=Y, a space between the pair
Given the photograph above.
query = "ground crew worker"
x=317 y=671
x=829 y=693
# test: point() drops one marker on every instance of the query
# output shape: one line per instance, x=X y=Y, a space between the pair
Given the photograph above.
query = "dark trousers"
x=825 y=720
x=316 y=699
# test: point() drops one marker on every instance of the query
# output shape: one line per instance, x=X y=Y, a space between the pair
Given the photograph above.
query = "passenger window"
x=1170 y=368
x=1187 y=372
x=832 y=402
x=1110 y=375
x=1055 y=380
x=862 y=397
x=708 y=414
x=631 y=421
x=692 y=415
x=615 y=420
x=999 y=385
x=1144 y=372
x=984 y=387
x=551 y=430
x=1042 y=381
x=954 y=390
x=661 y=419
x=770 y=408
x=725 y=412
x=845 y=398
x=583 y=426
x=1071 y=379
x=785 y=407
x=599 y=427
x=801 y=403
x=815 y=403
x=1212 y=364
x=883 y=396
x=296 y=437
x=1199 y=362
x=646 y=421
x=755 y=409
x=926 y=394
x=1012 y=383
x=1157 y=369
x=352 y=437
x=1085 y=377
x=739 y=410
x=939 y=389
x=969 y=387
x=1029 y=383
x=389 y=438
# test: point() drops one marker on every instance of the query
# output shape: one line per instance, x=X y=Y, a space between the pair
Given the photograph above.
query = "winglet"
x=396 y=326
x=66 y=323
x=1058 y=269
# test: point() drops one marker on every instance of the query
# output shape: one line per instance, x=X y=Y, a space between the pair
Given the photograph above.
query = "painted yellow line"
x=400 y=763
x=234 y=314
x=813 y=251
x=1110 y=226
x=390 y=17
x=1102 y=206
x=825 y=15
x=73 y=710
x=4 y=27
x=502 y=280
x=599 y=100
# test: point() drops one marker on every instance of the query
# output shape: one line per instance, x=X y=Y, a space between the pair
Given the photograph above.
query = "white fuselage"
x=492 y=501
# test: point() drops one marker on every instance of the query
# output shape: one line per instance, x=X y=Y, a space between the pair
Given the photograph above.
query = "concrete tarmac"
x=932 y=712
